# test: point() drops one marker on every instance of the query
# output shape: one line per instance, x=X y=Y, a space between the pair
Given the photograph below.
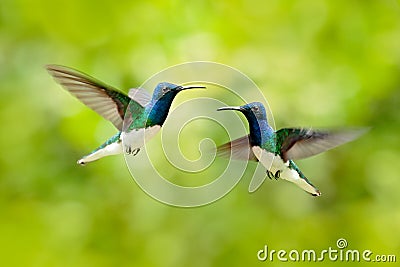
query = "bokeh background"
x=319 y=63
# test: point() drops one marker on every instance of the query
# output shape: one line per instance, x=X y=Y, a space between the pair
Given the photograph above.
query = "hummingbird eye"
x=165 y=89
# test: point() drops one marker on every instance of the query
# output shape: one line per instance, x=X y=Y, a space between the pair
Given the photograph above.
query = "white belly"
x=269 y=160
x=274 y=163
x=137 y=138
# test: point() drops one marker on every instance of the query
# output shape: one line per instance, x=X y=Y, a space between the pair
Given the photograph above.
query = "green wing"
x=298 y=143
x=102 y=98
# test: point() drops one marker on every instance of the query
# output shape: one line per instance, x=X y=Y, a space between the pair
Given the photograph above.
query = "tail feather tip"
x=81 y=162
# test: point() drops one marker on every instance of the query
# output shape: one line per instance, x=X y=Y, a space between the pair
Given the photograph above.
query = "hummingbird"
x=145 y=113
x=276 y=150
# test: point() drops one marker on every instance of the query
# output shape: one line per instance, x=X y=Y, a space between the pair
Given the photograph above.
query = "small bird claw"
x=275 y=176
x=131 y=151
x=135 y=151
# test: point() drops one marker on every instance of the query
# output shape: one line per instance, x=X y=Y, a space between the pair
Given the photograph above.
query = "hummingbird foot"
x=131 y=151
x=272 y=175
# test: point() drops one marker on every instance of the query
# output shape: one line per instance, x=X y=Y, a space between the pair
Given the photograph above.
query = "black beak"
x=181 y=88
x=230 y=108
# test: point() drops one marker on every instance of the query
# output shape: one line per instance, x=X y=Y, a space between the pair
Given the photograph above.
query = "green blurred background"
x=319 y=63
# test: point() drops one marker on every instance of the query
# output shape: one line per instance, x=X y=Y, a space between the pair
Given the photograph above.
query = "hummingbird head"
x=163 y=95
x=256 y=116
x=251 y=110
x=170 y=90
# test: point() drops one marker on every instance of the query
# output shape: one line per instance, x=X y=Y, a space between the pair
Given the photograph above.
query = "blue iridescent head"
x=252 y=111
x=163 y=95
x=257 y=118
x=169 y=90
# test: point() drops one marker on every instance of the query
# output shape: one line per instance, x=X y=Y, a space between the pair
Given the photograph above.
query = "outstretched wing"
x=240 y=149
x=298 y=143
x=102 y=98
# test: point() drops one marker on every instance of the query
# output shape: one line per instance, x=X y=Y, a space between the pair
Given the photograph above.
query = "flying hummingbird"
x=276 y=150
x=145 y=113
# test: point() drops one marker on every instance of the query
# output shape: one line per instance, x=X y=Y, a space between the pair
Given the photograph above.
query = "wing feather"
x=239 y=149
x=298 y=143
x=102 y=98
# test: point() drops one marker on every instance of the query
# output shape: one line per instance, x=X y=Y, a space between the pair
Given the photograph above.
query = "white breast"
x=269 y=160
x=138 y=137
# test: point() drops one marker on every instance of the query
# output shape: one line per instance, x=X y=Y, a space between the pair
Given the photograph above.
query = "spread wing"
x=240 y=149
x=102 y=98
x=298 y=143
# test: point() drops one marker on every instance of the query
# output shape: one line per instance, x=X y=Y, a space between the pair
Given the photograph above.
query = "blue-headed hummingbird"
x=276 y=150
x=145 y=113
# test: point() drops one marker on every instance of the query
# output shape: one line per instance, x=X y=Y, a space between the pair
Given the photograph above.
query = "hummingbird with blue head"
x=144 y=114
x=276 y=150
